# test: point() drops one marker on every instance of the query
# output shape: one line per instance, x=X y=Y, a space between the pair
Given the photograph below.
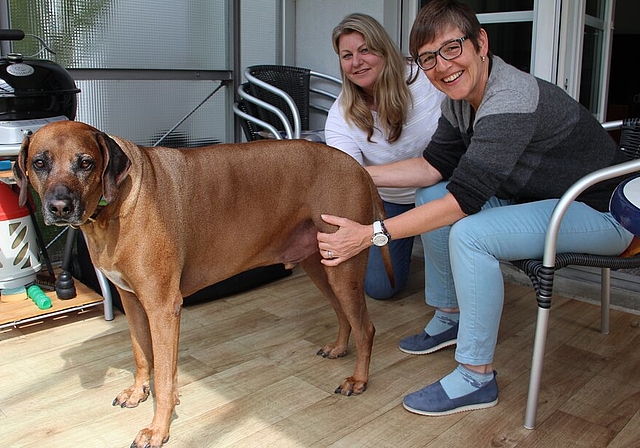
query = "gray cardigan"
x=527 y=141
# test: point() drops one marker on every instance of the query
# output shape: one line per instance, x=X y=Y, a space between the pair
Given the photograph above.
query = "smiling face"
x=360 y=65
x=462 y=78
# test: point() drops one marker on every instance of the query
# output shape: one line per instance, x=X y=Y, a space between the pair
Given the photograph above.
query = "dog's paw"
x=351 y=386
x=132 y=397
x=148 y=438
x=332 y=352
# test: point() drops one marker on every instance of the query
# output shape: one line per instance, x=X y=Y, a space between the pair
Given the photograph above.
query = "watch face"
x=380 y=239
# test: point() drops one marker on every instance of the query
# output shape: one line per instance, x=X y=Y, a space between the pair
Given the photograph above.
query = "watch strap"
x=384 y=230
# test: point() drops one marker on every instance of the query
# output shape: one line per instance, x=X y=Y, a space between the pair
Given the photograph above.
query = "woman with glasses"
x=506 y=148
x=385 y=113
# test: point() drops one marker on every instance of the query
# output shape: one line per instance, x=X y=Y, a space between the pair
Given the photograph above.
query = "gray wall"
x=316 y=19
x=310 y=44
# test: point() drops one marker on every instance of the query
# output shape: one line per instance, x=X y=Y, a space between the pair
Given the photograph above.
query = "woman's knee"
x=377 y=284
x=464 y=229
x=467 y=234
x=382 y=290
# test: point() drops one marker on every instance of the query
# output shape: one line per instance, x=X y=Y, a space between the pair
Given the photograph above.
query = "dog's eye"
x=86 y=164
x=38 y=164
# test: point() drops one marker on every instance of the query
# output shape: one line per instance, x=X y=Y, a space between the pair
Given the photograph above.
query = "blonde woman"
x=385 y=113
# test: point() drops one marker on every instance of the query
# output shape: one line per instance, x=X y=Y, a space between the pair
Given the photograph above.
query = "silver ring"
x=330 y=255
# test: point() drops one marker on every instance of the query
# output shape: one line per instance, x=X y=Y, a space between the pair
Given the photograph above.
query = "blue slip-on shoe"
x=423 y=344
x=434 y=401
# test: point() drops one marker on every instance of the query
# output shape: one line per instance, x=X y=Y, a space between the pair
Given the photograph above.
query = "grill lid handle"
x=11 y=34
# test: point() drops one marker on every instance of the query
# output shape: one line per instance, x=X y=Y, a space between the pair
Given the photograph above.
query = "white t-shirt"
x=421 y=123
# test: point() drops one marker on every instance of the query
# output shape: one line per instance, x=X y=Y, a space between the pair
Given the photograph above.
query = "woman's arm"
x=351 y=237
x=414 y=172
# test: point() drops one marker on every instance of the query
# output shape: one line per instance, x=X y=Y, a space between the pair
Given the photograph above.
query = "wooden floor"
x=249 y=377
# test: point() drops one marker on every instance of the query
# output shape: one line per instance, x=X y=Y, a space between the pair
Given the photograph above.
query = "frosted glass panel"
x=141 y=35
x=143 y=111
x=152 y=34
x=260 y=32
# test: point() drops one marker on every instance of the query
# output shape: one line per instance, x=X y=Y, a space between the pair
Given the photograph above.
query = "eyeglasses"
x=448 y=52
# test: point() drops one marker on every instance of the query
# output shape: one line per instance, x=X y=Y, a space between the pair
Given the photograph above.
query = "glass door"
x=585 y=52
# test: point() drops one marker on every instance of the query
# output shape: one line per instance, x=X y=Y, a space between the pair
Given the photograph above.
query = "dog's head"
x=71 y=166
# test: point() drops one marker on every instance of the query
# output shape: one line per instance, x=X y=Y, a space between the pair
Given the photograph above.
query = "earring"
x=483 y=58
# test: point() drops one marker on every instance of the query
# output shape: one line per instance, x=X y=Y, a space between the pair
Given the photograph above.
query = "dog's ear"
x=116 y=168
x=20 y=172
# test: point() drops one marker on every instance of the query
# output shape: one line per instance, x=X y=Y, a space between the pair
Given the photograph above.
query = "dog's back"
x=266 y=196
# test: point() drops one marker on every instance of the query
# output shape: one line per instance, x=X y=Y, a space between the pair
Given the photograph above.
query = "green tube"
x=39 y=297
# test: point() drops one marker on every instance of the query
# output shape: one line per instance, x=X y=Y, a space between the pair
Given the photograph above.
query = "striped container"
x=19 y=261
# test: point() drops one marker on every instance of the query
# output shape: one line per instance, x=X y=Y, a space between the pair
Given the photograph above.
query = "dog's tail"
x=378 y=215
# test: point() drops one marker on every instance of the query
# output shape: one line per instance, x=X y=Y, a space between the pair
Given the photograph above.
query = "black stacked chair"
x=277 y=101
x=294 y=81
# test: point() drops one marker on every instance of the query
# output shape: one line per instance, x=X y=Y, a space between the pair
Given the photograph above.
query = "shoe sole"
x=435 y=348
x=469 y=407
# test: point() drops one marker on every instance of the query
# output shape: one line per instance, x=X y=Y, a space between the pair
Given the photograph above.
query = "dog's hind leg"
x=347 y=282
x=343 y=285
x=142 y=352
x=318 y=275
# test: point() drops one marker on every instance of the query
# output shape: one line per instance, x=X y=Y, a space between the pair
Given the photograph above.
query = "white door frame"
x=573 y=21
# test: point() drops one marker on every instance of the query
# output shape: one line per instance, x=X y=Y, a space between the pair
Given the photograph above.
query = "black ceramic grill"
x=33 y=92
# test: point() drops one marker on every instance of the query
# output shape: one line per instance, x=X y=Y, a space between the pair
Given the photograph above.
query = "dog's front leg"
x=164 y=323
x=142 y=352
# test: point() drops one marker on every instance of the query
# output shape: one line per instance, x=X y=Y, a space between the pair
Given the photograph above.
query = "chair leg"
x=605 y=299
x=105 y=290
x=106 y=294
x=542 y=325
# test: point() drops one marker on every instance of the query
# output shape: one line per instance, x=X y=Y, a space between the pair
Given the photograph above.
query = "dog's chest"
x=116 y=278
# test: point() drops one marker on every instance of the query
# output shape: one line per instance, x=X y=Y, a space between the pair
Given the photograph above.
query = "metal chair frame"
x=246 y=100
x=291 y=130
x=541 y=272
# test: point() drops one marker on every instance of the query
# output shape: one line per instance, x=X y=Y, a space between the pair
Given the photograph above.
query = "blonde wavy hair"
x=391 y=91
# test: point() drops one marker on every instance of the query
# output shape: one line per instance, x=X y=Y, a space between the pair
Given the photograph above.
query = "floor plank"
x=249 y=377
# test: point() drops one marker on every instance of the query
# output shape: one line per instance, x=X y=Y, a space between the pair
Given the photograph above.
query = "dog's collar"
x=102 y=204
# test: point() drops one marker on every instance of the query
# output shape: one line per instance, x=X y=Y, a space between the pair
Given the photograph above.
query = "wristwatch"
x=380 y=234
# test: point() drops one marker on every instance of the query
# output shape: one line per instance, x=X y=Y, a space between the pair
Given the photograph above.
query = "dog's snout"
x=59 y=203
x=61 y=207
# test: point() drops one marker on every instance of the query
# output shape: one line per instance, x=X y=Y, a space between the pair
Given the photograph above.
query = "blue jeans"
x=376 y=283
x=462 y=260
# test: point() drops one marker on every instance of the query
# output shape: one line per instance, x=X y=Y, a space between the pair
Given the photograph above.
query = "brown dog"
x=178 y=220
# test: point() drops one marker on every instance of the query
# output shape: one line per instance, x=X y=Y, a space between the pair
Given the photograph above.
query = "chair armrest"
x=297 y=124
x=271 y=108
x=551 y=239
x=322 y=94
x=327 y=77
x=256 y=120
